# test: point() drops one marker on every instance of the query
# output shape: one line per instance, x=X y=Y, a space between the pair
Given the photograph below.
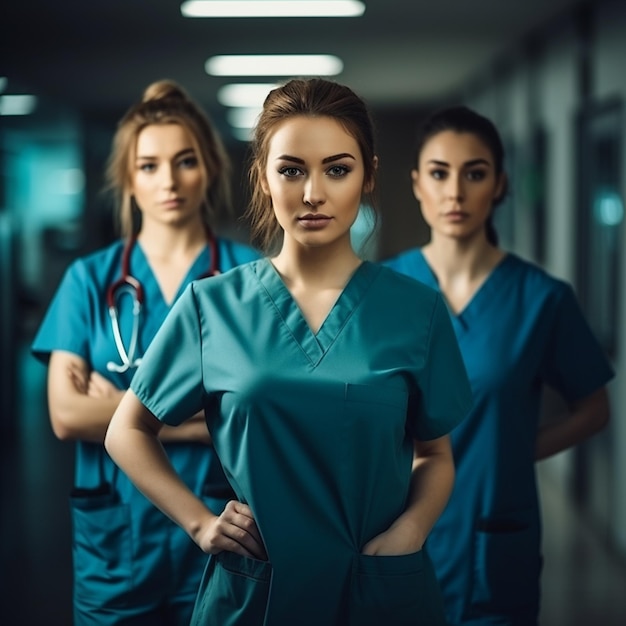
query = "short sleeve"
x=65 y=325
x=445 y=395
x=169 y=380
x=574 y=363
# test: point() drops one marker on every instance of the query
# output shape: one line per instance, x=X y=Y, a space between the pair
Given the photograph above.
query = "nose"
x=455 y=188
x=168 y=176
x=314 y=191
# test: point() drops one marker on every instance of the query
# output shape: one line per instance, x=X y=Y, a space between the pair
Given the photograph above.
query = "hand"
x=79 y=377
x=92 y=384
x=234 y=531
x=401 y=538
x=100 y=387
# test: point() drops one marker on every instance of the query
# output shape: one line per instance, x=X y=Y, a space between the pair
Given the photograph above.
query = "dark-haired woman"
x=518 y=329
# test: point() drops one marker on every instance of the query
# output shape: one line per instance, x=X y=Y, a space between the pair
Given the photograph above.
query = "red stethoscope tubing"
x=127 y=279
x=129 y=284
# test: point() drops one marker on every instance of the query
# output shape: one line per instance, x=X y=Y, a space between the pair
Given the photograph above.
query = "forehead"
x=454 y=147
x=163 y=139
x=310 y=138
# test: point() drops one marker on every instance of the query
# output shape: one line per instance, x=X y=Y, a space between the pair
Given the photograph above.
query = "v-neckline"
x=315 y=345
x=482 y=292
x=142 y=270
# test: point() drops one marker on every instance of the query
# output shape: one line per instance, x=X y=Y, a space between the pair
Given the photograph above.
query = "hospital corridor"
x=537 y=94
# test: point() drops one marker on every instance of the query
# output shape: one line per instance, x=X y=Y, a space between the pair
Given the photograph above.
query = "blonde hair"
x=166 y=102
x=315 y=97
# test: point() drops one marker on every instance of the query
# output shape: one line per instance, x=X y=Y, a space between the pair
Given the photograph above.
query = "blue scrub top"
x=78 y=321
x=315 y=431
x=522 y=329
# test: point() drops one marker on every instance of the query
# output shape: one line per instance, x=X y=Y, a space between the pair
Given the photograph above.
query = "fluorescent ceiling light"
x=272 y=8
x=244 y=94
x=274 y=65
x=17 y=105
x=242 y=134
x=243 y=117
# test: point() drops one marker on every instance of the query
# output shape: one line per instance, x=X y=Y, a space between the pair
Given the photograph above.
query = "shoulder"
x=97 y=265
x=404 y=291
x=232 y=281
x=236 y=252
x=535 y=279
x=404 y=260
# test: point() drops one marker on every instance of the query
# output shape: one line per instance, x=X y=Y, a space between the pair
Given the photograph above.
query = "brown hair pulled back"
x=314 y=97
x=166 y=102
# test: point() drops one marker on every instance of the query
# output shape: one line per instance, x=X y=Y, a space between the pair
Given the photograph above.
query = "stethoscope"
x=129 y=285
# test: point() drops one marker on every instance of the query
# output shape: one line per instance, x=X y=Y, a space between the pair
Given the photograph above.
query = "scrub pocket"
x=102 y=548
x=234 y=591
x=394 y=591
x=507 y=565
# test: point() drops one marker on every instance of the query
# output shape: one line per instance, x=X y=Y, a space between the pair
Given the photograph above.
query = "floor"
x=584 y=583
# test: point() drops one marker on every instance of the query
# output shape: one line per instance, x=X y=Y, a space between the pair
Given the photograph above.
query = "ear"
x=264 y=185
x=500 y=187
x=369 y=186
x=415 y=178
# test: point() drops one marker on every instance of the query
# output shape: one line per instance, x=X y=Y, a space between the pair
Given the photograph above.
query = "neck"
x=317 y=267
x=462 y=258
x=165 y=240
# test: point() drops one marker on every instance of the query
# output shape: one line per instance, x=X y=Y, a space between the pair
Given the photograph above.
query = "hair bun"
x=163 y=89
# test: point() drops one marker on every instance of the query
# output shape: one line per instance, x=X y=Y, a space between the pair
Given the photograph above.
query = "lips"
x=314 y=217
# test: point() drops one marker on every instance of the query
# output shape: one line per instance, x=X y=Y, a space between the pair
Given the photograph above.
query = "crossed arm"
x=81 y=403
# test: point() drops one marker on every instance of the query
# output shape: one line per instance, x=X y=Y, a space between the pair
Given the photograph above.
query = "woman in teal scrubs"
x=518 y=329
x=329 y=385
x=132 y=565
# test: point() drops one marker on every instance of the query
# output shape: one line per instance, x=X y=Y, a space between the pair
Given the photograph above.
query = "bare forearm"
x=585 y=419
x=78 y=416
x=431 y=485
x=138 y=452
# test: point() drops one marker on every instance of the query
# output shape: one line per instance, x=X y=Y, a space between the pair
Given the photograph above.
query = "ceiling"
x=99 y=55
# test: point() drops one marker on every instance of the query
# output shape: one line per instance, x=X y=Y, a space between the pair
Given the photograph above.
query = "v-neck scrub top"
x=128 y=556
x=315 y=433
x=522 y=328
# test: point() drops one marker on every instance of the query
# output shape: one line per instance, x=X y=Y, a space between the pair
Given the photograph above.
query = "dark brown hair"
x=314 y=97
x=461 y=119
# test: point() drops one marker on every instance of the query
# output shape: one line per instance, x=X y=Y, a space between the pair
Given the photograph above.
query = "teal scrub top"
x=315 y=432
x=124 y=554
x=521 y=330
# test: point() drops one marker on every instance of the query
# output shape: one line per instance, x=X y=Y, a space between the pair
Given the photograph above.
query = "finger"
x=241 y=515
x=240 y=526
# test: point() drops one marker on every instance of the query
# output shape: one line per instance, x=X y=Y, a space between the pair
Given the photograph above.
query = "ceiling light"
x=272 y=8
x=17 y=105
x=3 y=83
x=242 y=134
x=243 y=117
x=244 y=94
x=274 y=65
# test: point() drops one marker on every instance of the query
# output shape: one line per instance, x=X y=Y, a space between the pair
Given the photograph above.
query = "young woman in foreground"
x=329 y=384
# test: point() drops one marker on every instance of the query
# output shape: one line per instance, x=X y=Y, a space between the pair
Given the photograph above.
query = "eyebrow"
x=334 y=157
x=466 y=164
x=184 y=152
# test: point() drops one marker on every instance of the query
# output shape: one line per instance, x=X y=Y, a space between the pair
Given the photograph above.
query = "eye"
x=147 y=167
x=438 y=173
x=290 y=171
x=338 y=171
x=189 y=162
x=476 y=175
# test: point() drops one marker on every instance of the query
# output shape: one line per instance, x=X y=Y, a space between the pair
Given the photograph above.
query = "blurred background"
x=550 y=73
